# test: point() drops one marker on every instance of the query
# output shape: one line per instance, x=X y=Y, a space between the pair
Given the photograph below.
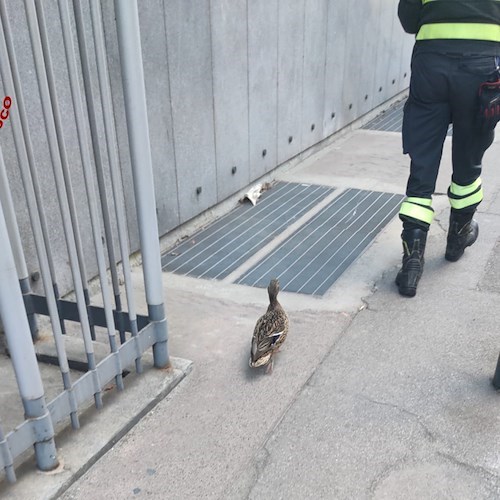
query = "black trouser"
x=443 y=90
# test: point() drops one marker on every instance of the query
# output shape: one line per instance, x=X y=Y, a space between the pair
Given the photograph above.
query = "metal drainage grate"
x=223 y=246
x=391 y=120
x=315 y=256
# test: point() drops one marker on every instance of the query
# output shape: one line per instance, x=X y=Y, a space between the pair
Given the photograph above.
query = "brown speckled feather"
x=270 y=331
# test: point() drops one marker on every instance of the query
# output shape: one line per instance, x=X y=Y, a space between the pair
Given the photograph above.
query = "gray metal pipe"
x=63 y=154
x=114 y=164
x=10 y=78
x=15 y=238
x=76 y=96
x=44 y=67
x=22 y=140
x=10 y=217
x=129 y=43
x=94 y=132
x=23 y=356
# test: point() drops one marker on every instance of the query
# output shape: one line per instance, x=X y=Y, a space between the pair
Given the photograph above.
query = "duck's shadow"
x=251 y=374
x=254 y=374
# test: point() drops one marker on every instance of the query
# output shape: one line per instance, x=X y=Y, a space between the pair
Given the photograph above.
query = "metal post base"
x=160 y=348
x=45 y=447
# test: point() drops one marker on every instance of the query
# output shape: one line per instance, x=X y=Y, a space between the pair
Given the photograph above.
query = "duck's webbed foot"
x=269 y=368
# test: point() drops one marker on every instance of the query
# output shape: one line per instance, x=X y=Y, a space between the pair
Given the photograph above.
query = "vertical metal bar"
x=11 y=82
x=114 y=164
x=26 y=291
x=89 y=94
x=76 y=96
x=23 y=356
x=129 y=43
x=63 y=154
x=10 y=218
x=15 y=238
x=7 y=458
x=43 y=68
x=22 y=139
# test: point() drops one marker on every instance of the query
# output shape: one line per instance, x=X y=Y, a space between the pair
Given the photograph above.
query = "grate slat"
x=219 y=249
x=391 y=120
x=315 y=256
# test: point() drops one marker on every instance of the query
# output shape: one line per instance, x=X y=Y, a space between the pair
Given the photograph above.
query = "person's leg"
x=469 y=144
x=425 y=123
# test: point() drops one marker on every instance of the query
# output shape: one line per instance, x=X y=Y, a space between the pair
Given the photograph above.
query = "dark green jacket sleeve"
x=409 y=14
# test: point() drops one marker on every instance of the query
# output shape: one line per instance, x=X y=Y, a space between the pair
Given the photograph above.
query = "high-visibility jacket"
x=451 y=19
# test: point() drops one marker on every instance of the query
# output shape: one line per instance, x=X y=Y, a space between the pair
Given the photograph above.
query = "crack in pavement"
x=418 y=418
x=379 y=478
x=487 y=474
x=259 y=466
x=439 y=222
x=490 y=476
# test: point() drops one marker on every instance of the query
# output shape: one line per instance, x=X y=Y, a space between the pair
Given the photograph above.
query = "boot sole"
x=454 y=258
x=408 y=292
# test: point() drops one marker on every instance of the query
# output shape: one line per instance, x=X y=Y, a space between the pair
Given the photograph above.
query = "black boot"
x=413 y=261
x=462 y=233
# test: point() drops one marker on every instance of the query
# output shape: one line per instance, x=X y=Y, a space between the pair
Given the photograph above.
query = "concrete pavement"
x=373 y=395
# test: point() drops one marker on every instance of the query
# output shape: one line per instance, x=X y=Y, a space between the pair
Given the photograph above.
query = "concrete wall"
x=230 y=83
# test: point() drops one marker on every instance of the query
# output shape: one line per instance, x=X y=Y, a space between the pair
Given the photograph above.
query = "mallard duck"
x=270 y=331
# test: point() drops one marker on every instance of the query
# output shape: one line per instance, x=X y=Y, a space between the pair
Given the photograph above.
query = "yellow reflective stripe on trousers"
x=467 y=201
x=423 y=214
x=465 y=190
x=462 y=31
x=419 y=201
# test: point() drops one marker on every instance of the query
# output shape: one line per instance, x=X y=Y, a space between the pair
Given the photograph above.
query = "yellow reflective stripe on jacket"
x=424 y=214
x=468 y=201
x=465 y=190
x=462 y=31
x=419 y=201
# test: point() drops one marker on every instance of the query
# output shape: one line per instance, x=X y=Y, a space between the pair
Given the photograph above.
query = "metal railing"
x=19 y=306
